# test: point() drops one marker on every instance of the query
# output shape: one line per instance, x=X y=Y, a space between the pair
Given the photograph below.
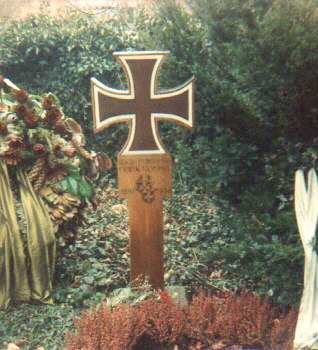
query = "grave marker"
x=144 y=167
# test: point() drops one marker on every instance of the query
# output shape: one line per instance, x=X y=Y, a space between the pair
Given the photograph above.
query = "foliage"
x=97 y=262
x=251 y=62
x=256 y=99
x=61 y=54
x=252 y=260
x=203 y=248
x=36 y=325
x=159 y=323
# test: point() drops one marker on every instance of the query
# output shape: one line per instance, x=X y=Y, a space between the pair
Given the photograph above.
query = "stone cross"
x=144 y=167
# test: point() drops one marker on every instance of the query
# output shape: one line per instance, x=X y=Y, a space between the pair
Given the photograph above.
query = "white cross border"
x=98 y=87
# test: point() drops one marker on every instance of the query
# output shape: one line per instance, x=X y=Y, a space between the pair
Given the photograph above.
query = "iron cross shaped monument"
x=144 y=167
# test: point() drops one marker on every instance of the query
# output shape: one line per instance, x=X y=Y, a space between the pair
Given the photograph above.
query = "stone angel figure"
x=306 y=207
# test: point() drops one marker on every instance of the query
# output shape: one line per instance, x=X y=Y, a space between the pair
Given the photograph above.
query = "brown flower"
x=21 y=95
x=52 y=116
x=15 y=141
x=12 y=157
x=39 y=148
x=69 y=151
x=2 y=83
x=56 y=174
x=3 y=129
x=21 y=111
x=60 y=127
x=57 y=150
x=31 y=120
x=47 y=102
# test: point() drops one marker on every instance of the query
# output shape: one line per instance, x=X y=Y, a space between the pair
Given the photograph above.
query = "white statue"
x=306 y=206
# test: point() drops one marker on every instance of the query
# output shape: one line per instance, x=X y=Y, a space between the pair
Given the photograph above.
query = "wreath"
x=36 y=135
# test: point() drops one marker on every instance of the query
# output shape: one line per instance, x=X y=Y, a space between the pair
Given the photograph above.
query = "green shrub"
x=60 y=55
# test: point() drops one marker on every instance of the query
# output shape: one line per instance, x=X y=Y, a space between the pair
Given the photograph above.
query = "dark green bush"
x=256 y=69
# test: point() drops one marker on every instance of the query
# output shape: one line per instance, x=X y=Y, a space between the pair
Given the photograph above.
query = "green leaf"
x=73 y=185
x=73 y=171
x=85 y=189
x=69 y=184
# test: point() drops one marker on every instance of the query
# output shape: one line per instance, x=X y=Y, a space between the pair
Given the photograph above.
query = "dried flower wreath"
x=36 y=135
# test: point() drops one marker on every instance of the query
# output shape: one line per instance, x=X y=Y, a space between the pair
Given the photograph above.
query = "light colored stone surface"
x=12 y=346
x=306 y=206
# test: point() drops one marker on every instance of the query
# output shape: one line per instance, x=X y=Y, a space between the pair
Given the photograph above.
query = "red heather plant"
x=102 y=328
x=245 y=320
x=166 y=321
x=159 y=323
x=283 y=331
x=127 y=326
x=201 y=316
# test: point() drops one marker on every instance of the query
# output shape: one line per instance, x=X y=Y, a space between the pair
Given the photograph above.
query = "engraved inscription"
x=147 y=176
x=143 y=165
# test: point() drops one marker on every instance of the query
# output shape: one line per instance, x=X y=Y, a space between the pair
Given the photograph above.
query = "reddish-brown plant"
x=166 y=321
x=90 y=329
x=283 y=331
x=126 y=327
x=52 y=116
x=201 y=315
x=122 y=329
x=246 y=320
x=224 y=320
